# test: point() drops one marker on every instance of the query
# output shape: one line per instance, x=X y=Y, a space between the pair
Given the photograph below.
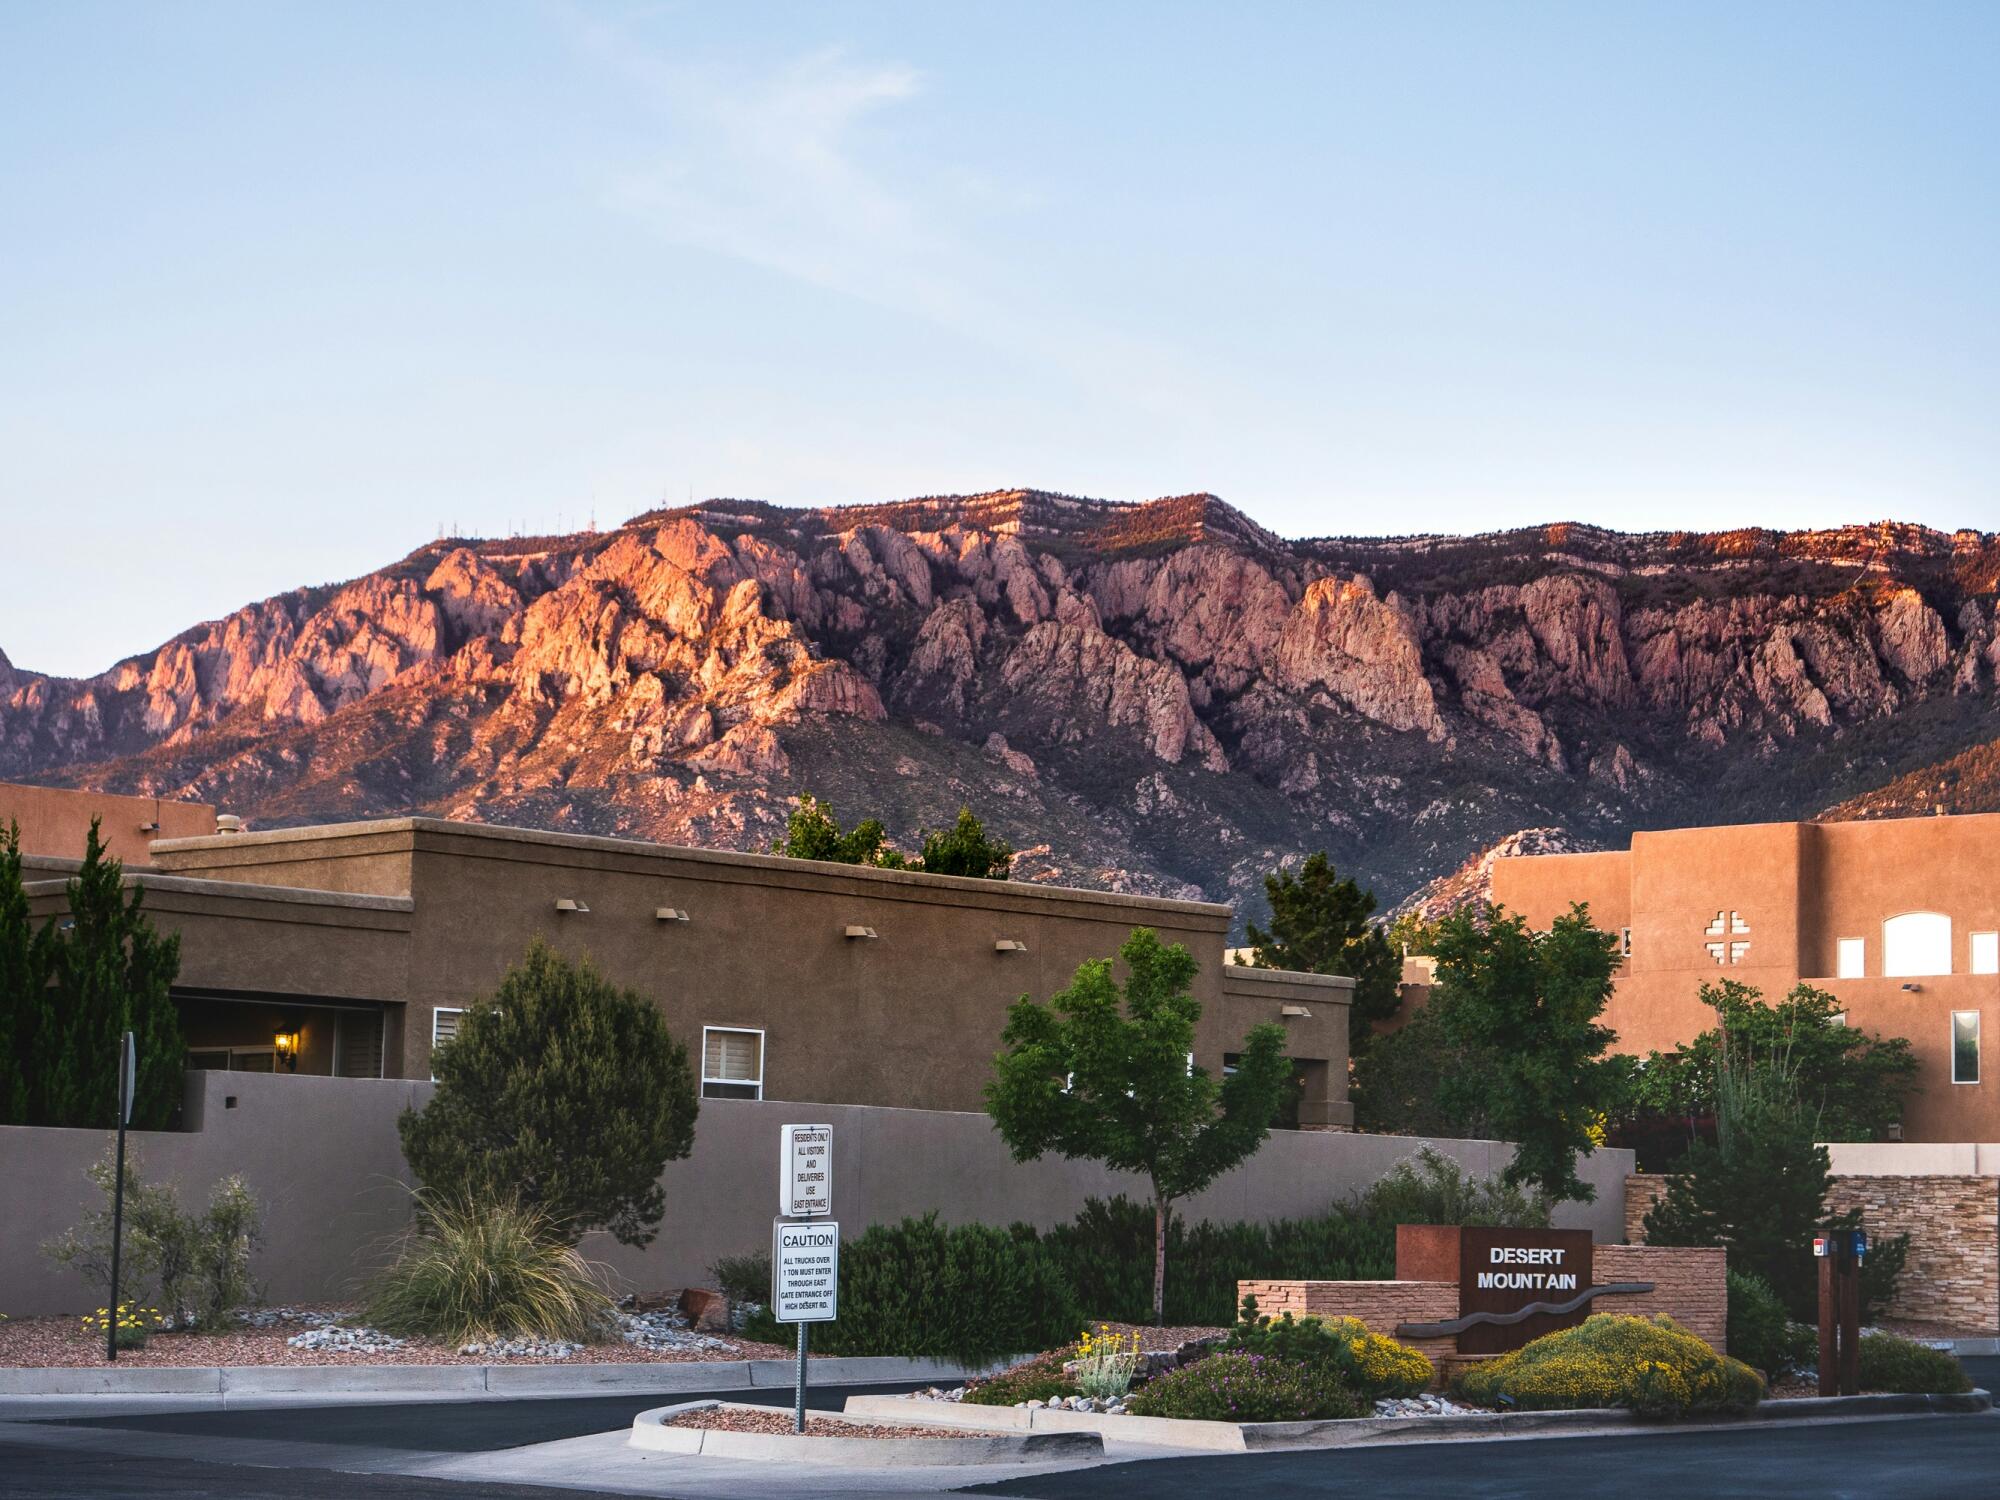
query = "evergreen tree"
x=1320 y=925
x=813 y=832
x=964 y=849
x=1526 y=1004
x=1107 y=1074
x=24 y=983
x=113 y=973
x=560 y=1092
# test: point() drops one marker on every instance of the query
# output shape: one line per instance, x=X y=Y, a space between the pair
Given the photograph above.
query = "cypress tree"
x=113 y=971
x=24 y=982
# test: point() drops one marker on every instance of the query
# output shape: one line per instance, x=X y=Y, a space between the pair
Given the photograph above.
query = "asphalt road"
x=1922 y=1458
x=452 y=1426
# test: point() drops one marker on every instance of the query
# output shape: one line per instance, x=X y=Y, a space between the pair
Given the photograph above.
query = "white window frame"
x=1986 y=952
x=1624 y=942
x=1897 y=965
x=1841 y=949
x=756 y=1083
x=443 y=1010
x=1952 y=1042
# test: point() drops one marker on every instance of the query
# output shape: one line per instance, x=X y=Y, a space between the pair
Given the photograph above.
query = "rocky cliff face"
x=1161 y=697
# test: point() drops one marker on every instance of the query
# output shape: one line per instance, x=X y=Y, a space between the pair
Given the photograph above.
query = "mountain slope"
x=1161 y=697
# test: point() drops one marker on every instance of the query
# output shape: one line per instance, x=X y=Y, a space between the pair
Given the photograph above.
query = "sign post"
x=128 y=1082
x=1840 y=1253
x=805 y=1256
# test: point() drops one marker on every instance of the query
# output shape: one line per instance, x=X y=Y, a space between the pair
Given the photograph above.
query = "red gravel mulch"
x=40 y=1343
x=748 y=1419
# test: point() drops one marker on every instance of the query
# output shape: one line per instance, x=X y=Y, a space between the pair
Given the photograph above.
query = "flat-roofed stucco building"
x=790 y=979
x=54 y=821
x=1899 y=919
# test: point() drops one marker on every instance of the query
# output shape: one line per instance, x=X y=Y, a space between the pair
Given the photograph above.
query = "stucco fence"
x=322 y=1156
x=1938 y=1196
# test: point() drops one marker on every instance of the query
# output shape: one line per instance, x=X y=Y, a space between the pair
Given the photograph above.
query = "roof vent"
x=228 y=823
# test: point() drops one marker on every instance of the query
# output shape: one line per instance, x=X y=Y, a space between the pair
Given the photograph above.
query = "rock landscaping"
x=748 y=1419
x=337 y=1334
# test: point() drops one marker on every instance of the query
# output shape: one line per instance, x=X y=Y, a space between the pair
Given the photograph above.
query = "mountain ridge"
x=1161 y=696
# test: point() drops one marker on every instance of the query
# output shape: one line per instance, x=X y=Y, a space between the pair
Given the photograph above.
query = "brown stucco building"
x=1899 y=919
x=349 y=949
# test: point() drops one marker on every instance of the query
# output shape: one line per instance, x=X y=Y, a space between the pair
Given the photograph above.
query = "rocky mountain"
x=1163 y=697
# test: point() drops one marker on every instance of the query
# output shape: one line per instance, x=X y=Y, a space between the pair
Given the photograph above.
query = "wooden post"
x=1829 y=1370
x=1850 y=1319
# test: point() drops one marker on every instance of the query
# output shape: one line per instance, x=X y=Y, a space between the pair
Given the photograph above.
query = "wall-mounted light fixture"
x=570 y=904
x=1914 y=989
x=1289 y=1011
x=1009 y=945
x=855 y=930
x=669 y=914
x=149 y=828
x=286 y=1046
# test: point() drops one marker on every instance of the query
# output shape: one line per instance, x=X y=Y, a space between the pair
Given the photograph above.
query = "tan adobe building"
x=349 y=949
x=55 y=821
x=1899 y=919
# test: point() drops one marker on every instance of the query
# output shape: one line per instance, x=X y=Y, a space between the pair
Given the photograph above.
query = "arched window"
x=1917 y=942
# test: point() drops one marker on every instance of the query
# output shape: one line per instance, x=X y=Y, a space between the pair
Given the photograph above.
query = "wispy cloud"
x=807 y=167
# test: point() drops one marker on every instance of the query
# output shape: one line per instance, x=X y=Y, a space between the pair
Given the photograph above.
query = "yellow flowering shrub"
x=1372 y=1364
x=1650 y=1365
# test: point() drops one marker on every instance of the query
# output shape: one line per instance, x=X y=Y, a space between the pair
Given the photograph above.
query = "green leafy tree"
x=561 y=1093
x=1394 y=1086
x=24 y=983
x=113 y=973
x=1105 y=1072
x=1526 y=1004
x=1320 y=924
x=1852 y=1083
x=813 y=832
x=964 y=849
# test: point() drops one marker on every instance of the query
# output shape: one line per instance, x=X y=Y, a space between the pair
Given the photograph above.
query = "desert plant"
x=562 y=1093
x=1238 y=1386
x=1650 y=1365
x=470 y=1271
x=1105 y=1072
x=195 y=1268
x=1371 y=1364
x=1431 y=1188
x=1105 y=1362
x=129 y=1328
x=1889 y=1363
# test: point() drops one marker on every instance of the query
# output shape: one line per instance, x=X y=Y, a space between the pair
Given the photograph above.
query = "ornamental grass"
x=1652 y=1366
x=470 y=1272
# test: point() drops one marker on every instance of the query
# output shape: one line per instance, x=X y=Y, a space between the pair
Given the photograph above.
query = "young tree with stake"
x=1105 y=1073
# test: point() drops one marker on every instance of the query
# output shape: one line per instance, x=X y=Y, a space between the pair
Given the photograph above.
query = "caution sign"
x=805 y=1271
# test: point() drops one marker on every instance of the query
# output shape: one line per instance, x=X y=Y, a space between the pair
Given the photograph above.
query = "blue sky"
x=286 y=289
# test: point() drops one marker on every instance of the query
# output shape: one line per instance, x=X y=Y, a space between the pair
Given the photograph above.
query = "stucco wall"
x=322 y=1153
x=56 y=821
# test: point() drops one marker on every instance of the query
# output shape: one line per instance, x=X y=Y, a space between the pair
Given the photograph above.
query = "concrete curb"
x=495 y=1380
x=1351 y=1432
x=650 y=1432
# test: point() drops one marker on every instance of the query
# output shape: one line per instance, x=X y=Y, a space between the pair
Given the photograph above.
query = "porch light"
x=286 y=1045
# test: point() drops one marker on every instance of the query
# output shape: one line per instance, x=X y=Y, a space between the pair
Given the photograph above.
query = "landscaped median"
x=893 y=1438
